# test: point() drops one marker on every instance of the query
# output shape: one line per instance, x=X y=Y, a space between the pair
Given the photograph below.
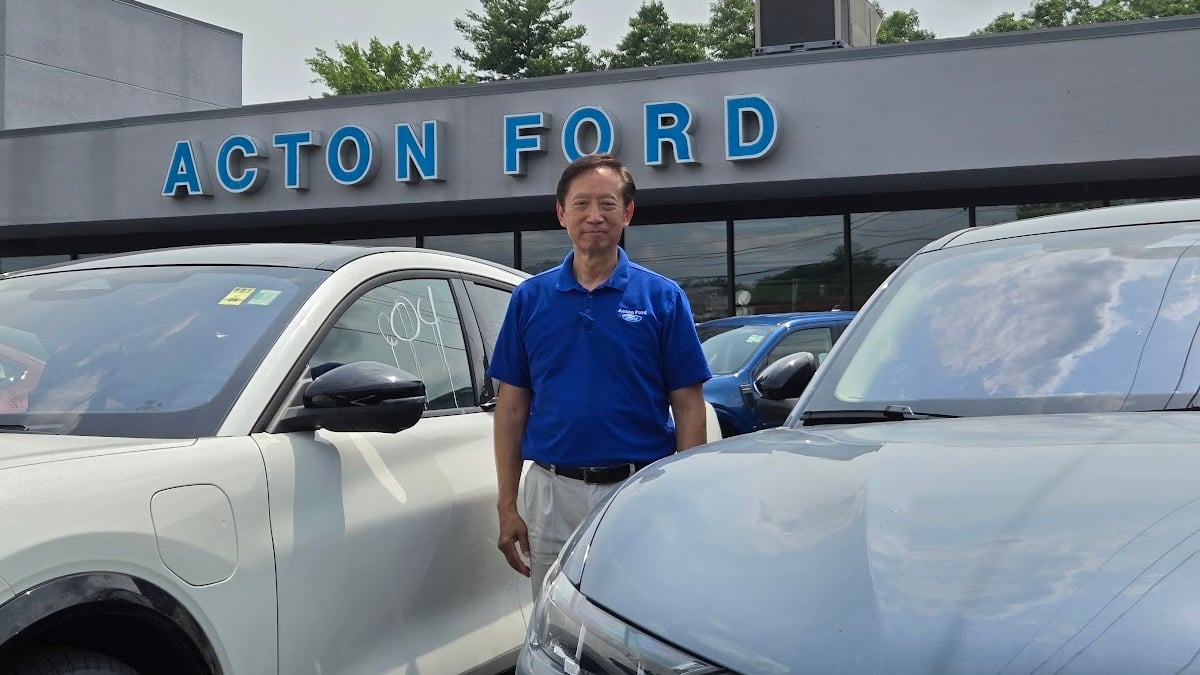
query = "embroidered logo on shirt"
x=632 y=315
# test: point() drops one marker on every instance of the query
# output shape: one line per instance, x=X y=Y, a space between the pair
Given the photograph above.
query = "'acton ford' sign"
x=352 y=153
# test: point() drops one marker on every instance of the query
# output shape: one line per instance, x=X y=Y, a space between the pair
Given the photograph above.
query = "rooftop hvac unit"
x=804 y=25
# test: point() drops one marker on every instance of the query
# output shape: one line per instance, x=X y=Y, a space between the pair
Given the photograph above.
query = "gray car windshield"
x=147 y=352
x=1089 y=321
x=728 y=348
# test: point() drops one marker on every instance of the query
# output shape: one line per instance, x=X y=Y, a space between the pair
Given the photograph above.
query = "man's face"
x=593 y=212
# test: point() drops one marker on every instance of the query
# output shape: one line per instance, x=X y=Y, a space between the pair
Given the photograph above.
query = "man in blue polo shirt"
x=591 y=354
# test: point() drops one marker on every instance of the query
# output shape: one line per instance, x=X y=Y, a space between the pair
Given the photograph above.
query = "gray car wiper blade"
x=891 y=413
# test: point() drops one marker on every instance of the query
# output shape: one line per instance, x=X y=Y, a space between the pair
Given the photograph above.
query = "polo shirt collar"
x=618 y=280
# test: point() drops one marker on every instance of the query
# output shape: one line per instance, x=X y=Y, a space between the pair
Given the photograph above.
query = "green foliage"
x=653 y=40
x=515 y=39
x=900 y=26
x=730 y=30
x=1153 y=9
x=578 y=58
x=381 y=67
x=1058 y=13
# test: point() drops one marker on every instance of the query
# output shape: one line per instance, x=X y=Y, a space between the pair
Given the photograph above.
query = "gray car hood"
x=1062 y=543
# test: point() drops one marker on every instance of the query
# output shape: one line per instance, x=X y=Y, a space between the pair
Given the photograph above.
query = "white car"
x=253 y=459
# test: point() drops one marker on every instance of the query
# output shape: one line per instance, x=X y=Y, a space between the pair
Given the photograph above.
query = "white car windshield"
x=148 y=352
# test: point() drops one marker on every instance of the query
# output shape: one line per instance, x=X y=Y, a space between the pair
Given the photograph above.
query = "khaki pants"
x=554 y=507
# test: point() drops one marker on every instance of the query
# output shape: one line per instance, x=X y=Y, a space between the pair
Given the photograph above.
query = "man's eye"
x=609 y=206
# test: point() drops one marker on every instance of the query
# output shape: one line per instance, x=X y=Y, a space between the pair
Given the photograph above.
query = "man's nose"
x=595 y=213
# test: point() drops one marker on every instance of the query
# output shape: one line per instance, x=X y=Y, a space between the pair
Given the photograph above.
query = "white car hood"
x=22 y=449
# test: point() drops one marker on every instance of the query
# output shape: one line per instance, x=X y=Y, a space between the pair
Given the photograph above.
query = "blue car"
x=738 y=348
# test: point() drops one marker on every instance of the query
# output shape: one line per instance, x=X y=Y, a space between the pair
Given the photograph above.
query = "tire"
x=70 y=661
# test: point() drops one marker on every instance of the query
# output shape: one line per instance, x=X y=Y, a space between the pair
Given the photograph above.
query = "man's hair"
x=591 y=163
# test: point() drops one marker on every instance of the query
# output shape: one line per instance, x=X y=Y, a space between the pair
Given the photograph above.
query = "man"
x=589 y=356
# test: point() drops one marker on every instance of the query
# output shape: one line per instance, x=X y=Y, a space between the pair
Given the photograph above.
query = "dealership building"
x=793 y=179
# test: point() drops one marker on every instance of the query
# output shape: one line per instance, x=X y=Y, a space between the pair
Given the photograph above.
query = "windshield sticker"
x=237 y=296
x=754 y=338
x=264 y=297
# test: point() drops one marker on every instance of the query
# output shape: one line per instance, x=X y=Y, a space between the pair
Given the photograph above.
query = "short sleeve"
x=683 y=359
x=510 y=360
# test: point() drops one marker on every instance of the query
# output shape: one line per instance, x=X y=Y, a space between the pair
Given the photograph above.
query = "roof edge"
x=1042 y=36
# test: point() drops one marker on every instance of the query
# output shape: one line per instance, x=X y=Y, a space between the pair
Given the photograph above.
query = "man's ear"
x=629 y=213
x=558 y=209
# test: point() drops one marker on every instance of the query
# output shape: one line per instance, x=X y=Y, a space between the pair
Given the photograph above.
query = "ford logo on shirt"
x=632 y=315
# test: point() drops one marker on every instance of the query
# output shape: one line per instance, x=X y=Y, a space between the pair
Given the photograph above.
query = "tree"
x=381 y=67
x=730 y=30
x=1058 y=13
x=900 y=26
x=578 y=58
x=653 y=40
x=1153 y=9
x=523 y=38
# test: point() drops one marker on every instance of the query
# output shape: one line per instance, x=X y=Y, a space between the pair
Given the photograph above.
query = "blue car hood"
x=1064 y=543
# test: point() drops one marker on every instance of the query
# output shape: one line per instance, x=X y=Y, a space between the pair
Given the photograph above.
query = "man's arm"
x=508 y=428
x=687 y=406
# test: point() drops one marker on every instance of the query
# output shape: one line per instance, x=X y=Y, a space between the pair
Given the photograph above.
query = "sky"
x=277 y=35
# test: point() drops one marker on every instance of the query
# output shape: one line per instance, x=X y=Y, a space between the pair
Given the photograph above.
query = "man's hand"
x=512 y=412
x=514 y=534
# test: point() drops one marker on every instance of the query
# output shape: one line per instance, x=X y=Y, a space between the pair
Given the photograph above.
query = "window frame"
x=766 y=360
x=291 y=391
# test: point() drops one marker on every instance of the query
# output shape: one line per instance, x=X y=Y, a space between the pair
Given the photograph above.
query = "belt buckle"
x=603 y=475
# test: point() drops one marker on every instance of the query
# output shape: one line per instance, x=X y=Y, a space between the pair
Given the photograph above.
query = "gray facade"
x=67 y=61
x=875 y=151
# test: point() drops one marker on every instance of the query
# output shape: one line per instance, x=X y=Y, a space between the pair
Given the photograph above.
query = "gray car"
x=996 y=470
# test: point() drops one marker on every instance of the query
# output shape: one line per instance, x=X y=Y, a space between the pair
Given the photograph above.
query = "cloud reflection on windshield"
x=1043 y=317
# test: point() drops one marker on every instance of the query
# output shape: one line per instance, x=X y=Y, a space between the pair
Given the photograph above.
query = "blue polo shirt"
x=600 y=364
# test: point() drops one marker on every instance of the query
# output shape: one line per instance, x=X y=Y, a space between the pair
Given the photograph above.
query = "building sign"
x=352 y=154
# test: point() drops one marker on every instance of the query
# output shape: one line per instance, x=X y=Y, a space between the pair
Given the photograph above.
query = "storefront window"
x=882 y=240
x=1143 y=200
x=494 y=246
x=14 y=263
x=693 y=254
x=994 y=215
x=390 y=241
x=789 y=264
x=543 y=249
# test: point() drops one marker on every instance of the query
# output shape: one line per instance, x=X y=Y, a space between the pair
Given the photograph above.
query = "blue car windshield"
x=728 y=348
x=147 y=352
x=1086 y=321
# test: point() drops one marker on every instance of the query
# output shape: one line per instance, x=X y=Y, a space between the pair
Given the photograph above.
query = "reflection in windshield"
x=143 y=352
x=22 y=359
x=1056 y=324
x=728 y=348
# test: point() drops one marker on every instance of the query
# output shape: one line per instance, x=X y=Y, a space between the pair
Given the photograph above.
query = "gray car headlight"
x=582 y=639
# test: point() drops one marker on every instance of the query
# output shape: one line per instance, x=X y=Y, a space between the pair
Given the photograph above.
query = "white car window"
x=413 y=325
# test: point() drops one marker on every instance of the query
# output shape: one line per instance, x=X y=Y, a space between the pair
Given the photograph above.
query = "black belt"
x=596 y=475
